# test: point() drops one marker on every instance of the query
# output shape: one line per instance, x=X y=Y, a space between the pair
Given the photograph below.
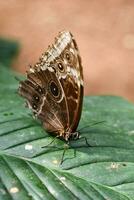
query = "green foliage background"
x=104 y=171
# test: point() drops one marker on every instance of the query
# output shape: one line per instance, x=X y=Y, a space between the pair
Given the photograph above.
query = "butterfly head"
x=71 y=135
x=75 y=135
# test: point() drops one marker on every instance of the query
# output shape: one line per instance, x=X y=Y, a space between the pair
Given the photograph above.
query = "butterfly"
x=54 y=88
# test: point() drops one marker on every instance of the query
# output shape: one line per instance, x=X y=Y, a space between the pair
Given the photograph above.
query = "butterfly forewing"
x=72 y=83
x=54 y=87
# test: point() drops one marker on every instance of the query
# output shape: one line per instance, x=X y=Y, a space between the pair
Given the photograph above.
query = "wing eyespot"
x=39 y=90
x=53 y=89
x=61 y=67
x=36 y=98
x=34 y=106
x=68 y=55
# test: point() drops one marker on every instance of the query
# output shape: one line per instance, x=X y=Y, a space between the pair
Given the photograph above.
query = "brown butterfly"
x=54 y=87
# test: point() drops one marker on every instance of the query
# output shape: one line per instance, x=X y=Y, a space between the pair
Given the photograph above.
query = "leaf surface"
x=103 y=171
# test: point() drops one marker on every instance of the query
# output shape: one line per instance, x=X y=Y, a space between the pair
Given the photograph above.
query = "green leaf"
x=103 y=171
x=8 y=50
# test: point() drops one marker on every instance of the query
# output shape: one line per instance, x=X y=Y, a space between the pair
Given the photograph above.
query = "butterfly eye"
x=61 y=67
x=54 y=89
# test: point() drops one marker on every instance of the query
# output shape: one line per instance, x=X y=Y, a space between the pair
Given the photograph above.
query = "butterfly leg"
x=64 y=151
x=86 y=141
x=50 y=142
x=74 y=153
x=66 y=146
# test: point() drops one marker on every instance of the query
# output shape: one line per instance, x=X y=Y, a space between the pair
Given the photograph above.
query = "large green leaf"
x=103 y=171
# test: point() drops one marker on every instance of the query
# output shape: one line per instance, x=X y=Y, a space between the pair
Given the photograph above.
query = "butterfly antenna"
x=96 y=123
x=88 y=126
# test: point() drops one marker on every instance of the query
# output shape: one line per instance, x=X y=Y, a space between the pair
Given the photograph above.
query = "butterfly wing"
x=71 y=78
x=44 y=95
x=54 y=86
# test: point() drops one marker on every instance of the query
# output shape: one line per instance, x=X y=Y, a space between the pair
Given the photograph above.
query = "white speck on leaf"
x=114 y=166
x=14 y=190
x=28 y=147
x=55 y=162
x=53 y=191
x=62 y=178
